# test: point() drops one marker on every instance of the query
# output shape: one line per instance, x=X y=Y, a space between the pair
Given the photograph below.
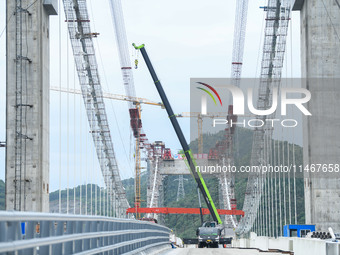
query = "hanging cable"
x=91 y=181
x=271 y=186
x=275 y=187
x=29 y=6
x=13 y=14
x=75 y=143
x=260 y=209
x=59 y=39
x=80 y=159
x=108 y=198
x=289 y=194
x=330 y=19
x=86 y=170
x=280 y=195
x=111 y=200
x=293 y=132
x=337 y=3
x=284 y=182
x=100 y=200
x=266 y=184
x=95 y=196
x=104 y=190
x=288 y=152
x=263 y=207
x=9 y=19
x=67 y=124
x=74 y=129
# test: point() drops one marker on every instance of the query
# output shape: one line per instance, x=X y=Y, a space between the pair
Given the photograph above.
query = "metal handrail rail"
x=36 y=216
x=83 y=234
x=115 y=246
x=35 y=242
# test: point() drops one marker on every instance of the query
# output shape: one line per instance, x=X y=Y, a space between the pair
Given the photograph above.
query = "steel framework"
x=84 y=55
x=227 y=181
x=142 y=141
x=154 y=175
x=277 y=21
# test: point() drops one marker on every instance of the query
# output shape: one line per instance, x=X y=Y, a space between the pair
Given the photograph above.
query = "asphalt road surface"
x=226 y=251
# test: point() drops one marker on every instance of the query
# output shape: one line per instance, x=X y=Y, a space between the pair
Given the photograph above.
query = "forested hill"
x=185 y=225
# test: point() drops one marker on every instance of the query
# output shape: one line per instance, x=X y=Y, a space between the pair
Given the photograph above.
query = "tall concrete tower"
x=27 y=123
x=320 y=55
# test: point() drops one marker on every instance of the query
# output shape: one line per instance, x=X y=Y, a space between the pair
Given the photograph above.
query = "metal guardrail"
x=46 y=233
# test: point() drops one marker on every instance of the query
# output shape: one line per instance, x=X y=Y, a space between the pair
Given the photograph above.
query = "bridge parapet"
x=46 y=233
x=289 y=245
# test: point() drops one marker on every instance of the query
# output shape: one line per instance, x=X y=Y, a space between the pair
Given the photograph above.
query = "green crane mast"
x=188 y=154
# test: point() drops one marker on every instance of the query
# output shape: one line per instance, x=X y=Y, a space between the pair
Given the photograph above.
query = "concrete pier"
x=320 y=56
x=27 y=126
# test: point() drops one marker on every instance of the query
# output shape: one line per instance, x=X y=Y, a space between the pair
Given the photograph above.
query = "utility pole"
x=180 y=189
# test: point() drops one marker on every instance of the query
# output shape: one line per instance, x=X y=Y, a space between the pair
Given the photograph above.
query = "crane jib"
x=191 y=161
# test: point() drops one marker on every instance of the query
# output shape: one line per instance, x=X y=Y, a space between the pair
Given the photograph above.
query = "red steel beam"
x=168 y=210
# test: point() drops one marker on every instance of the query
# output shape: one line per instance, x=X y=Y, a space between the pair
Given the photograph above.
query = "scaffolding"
x=86 y=64
x=227 y=180
x=141 y=140
x=277 y=21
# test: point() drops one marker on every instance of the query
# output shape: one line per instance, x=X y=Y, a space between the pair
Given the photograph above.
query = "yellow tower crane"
x=136 y=101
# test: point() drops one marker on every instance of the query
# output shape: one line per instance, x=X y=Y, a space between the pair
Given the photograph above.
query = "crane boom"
x=191 y=161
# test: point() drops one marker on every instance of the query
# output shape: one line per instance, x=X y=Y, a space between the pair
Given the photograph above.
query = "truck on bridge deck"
x=210 y=235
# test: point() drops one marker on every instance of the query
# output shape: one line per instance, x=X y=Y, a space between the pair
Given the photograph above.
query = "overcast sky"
x=184 y=39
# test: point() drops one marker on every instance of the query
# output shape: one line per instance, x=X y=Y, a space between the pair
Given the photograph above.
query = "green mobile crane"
x=188 y=154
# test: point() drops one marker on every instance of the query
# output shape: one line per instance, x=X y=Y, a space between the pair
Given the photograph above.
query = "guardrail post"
x=115 y=238
x=103 y=226
x=46 y=230
x=78 y=245
x=68 y=246
x=87 y=243
x=58 y=248
x=13 y=231
x=3 y=231
x=94 y=228
x=110 y=239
